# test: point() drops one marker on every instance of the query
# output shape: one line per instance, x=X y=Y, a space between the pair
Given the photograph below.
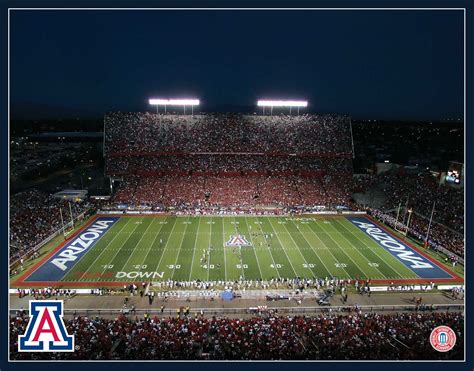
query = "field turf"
x=188 y=248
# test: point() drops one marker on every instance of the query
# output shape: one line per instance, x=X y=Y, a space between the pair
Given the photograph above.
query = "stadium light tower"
x=281 y=103
x=174 y=102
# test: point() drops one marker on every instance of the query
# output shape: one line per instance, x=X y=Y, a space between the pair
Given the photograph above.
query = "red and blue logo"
x=443 y=338
x=237 y=240
x=46 y=331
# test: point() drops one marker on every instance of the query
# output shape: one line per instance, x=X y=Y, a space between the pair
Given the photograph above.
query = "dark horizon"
x=380 y=65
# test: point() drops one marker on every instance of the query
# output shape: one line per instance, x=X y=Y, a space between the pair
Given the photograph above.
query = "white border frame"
x=231 y=9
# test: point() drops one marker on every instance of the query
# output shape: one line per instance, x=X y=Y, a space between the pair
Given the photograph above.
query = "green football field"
x=227 y=248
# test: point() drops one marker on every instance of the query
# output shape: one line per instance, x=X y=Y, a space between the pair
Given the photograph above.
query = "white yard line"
x=281 y=244
x=274 y=264
x=118 y=250
x=134 y=250
x=208 y=249
x=358 y=251
x=223 y=246
x=343 y=251
x=375 y=252
x=323 y=244
x=296 y=246
x=166 y=245
x=240 y=250
x=104 y=249
x=180 y=247
x=194 y=250
x=254 y=247
x=151 y=246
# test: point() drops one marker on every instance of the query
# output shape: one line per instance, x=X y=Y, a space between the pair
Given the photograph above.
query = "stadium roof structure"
x=282 y=103
x=174 y=102
x=71 y=194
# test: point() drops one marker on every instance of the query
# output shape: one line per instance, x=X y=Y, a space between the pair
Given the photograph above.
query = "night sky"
x=368 y=64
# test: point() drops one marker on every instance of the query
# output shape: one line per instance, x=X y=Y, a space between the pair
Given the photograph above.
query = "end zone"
x=56 y=264
x=452 y=276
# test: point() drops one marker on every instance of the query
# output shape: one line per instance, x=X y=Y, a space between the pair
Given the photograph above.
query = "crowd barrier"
x=251 y=310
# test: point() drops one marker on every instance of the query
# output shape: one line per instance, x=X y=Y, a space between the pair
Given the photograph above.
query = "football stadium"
x=233 y=219
x=269 y=222
x=236 y=185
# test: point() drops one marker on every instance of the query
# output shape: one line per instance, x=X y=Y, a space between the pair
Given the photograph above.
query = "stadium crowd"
x=226 y=164
x=131 y=133
x=252 y=191
x=362 y=336
x=421 y=191
x=34 y=216
x=226 y=144
x=418 y=192
x=439 y=236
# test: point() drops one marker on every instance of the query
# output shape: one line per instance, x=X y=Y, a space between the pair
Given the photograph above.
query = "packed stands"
x=439 y=236
x=34 y=216
x=422 y=191
x=149 y=144
x=145 y=133
x=368 y=336
x=227 y=160
x=251 y=191
x=418 y=192
x=226 y=165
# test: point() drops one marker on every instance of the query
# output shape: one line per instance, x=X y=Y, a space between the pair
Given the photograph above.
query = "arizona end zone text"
x=408 y=256
x=65 y=258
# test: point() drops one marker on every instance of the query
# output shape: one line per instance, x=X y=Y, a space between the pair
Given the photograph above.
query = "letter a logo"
x=46 y=331
x=238 y=240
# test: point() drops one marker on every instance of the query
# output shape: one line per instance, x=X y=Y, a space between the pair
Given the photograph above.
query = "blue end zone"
x=420 y=265
x=58 y=265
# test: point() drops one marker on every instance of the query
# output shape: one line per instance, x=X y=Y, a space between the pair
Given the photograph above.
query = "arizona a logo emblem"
x=46 y=331
x=238 y=240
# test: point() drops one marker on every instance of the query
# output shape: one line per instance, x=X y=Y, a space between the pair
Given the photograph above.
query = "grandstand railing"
x=266 y=310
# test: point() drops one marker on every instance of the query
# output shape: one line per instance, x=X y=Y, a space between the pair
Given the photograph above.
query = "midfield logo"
x=237 y=240
x=46 y=331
